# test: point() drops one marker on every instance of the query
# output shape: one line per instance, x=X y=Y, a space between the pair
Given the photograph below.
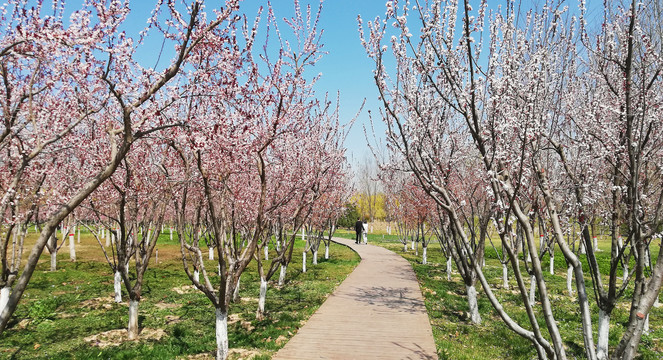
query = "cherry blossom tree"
x=242 y=117
x=534 y=116
x=60 y=77
x=140 y=199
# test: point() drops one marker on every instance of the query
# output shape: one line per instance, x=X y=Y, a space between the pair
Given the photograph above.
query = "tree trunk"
x=196 y=276
x=54 y=259
x=282 y=275
x=532 y=290
x=108 y=237
x=449 y=268
x=171 y=233
x=645 y=327
x=133 y=320
x=552 y=265
x=315 y=257
x=72 y=247
x=603 y=334
x=78 y=239
x=569 y=280
x=304 y=261
x=405 y=247
x=236 y=292
x=474 y=306
x=118 y=287
x=326 y=251
x=211 y=253
x=221 y=334
x=625 y=277
x=505 y=276
x=261 y=301
x=582 y=247
x=4 y=297
x=266 y=252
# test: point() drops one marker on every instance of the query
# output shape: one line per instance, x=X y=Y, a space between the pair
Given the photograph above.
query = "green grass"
x=457 y=338
x=59 y=310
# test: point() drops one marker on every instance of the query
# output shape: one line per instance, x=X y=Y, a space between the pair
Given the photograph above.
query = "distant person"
x=359 y=228
x=365 y=232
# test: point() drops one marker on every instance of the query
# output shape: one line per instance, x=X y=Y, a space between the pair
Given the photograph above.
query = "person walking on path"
x=359 y=228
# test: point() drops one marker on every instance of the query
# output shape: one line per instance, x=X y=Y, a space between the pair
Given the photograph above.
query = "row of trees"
x=521 y=119
x=228 y=142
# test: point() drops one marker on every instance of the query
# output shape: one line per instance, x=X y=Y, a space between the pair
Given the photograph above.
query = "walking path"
x=378 y=312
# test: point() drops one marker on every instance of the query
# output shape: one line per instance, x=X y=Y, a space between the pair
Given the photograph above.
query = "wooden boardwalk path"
x=378 y=312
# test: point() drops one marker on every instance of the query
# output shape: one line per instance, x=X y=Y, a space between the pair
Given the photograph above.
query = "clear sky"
x=345 y=68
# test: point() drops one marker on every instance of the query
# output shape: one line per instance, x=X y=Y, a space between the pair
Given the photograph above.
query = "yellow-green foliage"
x=370 y=207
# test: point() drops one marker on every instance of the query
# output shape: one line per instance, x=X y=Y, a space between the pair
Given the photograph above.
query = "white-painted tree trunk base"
x=282 y=275
x=474 y=306
x=424 y=257
x=54 y=260
x=603 y=335
x=156 y=260
x=596 y=244
x=405 y=247
x=449 y=268
x=196 y=276
x=304 y=261
x=171 y=234
x=552 y=265
x=505 y=276
x=72 y=248
x=278 y=245
x=107 y=236
x=582 y=247
x=413 y=245
x=4 y=297
x=326 y=252
x=78 y=239
x=625 y=277
x=117 y=286
x=221 y=334
x=236 y=292
x=532 y=290
x=315 y=257
x=266 y=252
x=262 y=298
x=645 y=327
x=133 y=320
x=569 y=280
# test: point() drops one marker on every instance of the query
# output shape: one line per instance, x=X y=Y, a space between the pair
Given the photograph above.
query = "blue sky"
x=345 y=69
